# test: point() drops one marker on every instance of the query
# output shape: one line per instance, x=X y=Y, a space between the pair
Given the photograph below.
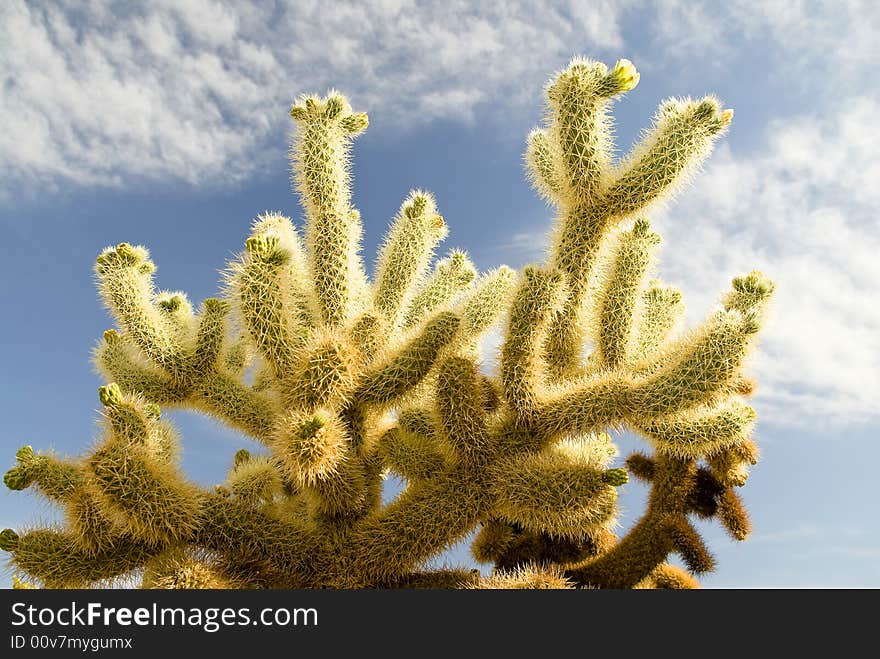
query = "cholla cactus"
x=341 y=379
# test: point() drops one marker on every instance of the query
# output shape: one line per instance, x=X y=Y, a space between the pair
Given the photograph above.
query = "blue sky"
x=168 y=127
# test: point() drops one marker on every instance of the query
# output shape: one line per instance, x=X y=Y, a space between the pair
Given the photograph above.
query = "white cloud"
x=197 y=91
x=834 y=43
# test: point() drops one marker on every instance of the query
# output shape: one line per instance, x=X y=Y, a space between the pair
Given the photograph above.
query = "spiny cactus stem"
x=648 y=544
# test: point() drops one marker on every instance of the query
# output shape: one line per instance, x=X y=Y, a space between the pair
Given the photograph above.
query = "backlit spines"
x=320 y=157
x=683 y=134
x=562 y=490
x=406 y=253
x=661 y=309
x=542 y=164
x=578 y=100
x=343 y=380
x=620 y=294
x=538 y=298
x=451 y=276
x=259 y=284
x=400 y=370
x=125 y=282
x=485 y=305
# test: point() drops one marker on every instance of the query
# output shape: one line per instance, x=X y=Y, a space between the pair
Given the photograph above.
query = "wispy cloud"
x=835 y=43
x=196 y=91
x=101 y=93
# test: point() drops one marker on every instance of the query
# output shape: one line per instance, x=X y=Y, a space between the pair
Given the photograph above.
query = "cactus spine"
x=338 y=379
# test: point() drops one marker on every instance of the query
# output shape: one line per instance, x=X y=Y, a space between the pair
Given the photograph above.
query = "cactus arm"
x=227 y=526
x=701 y=431
x=450 y=277
x=584 y=406
x=115 y=360
x=617 y=301
x=55 y=478
x=321 y=173
x=700 y=364
x=579 y=98
x=55 y=558
x=681 y=138
x=551 y=493
x=462 y=417
x=210 y=335
x=485 y=304
x=258 y=285
x=403 y=369
x=405 y=255
x=322 y=375
x=650 y=541
x=542 y=166
x=522 y=365
x=405 y=533
x=660 y=310
x=237 y=404
x=413 y=456
x=125 y=283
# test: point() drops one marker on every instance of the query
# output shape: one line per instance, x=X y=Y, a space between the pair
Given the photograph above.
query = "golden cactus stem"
x=702 y=363
x=126 y=286
x=413 y=456
x=405 y=533
x=585 y=406
x=522 y=359
x=661 y=309
x=240 y=406
x=144 y=493
x=460 y=411
x=541 y=159
x=260 y=285
x=578 y=99
x=405 y=368
x=210 y=335
x=56 y=479
x=617 y=305
x=56 y=559
x=405 y=255
x=230 y=527
x=451 y=276
x=482 y=308
x=115 y=360
x=319 y=156
x=682 y=136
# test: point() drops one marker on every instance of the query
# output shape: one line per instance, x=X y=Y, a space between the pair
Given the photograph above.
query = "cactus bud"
x=241 y=456
x=8 y=540
x=355 y=123
x=334 y=106
x=17 y=478
x=110 y=395
x=615 y=477
x=624 y=75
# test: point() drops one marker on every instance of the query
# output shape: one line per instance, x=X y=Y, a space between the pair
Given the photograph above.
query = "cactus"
x=339 y=380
